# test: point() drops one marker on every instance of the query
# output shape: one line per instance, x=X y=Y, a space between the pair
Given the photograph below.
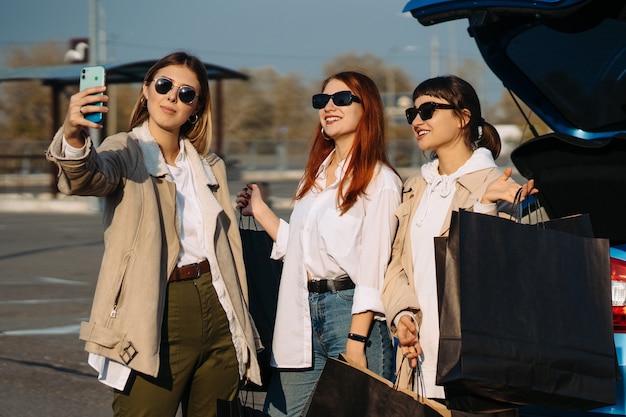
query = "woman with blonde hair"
x=169 y=324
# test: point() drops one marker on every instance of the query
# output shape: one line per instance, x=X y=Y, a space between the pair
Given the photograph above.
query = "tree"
x=122 y=99
x=374 y=67
x=391 y=81
x=473 y=72
x=247 y=109
x=25 y=105
x=507 y=112
x=267 y=106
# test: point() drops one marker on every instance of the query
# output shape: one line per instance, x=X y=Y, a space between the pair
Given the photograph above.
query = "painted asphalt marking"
x=71 y=329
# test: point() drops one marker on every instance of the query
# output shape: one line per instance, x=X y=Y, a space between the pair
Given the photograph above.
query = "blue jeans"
x=331 y=315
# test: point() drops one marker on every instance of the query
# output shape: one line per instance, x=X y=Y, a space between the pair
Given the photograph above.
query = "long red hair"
x=368 y=149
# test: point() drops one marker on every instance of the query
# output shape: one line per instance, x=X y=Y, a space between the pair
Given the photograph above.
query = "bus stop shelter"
x=61 y=76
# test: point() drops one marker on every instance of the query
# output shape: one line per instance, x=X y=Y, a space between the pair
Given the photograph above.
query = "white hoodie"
x=427 y=223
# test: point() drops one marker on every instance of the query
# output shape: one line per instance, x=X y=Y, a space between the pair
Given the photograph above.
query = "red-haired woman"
x=336 y=247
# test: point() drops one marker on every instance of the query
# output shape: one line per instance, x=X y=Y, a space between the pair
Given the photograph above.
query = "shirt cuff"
x=71 y=152
x=279 y=249
x=110 y=373
x=401 y=314
x=484 y=208
x=367 y=299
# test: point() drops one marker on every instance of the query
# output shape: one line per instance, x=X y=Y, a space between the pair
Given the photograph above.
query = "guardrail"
x=24 y=168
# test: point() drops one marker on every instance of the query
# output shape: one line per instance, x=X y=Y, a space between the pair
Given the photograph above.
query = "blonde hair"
x=198 y=133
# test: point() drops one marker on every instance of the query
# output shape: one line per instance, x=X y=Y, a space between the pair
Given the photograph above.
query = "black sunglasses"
x=342 y=98
x=186 y=94
x=425 y=111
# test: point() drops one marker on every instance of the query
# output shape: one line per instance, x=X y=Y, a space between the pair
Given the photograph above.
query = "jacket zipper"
x=113 y=313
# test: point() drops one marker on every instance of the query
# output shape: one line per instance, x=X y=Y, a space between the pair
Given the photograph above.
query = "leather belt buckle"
x=189 y=272
x=316 y=286
x=198 y=271
x=320 y=286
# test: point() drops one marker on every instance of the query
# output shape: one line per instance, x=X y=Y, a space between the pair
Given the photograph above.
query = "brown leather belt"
x=325 y=285
x=191 y=271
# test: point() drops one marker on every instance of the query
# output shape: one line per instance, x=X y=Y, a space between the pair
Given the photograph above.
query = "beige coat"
x=141 y=247
x=399 y=287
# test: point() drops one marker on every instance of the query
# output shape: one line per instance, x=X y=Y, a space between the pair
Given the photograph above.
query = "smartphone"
x=93 y=76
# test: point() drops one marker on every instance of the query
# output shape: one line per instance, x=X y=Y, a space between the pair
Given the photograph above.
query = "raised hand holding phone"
x=85 y=106
x=93 y=76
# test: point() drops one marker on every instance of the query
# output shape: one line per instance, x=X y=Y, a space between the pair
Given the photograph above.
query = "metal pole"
x=434 y=53
x=93 y=32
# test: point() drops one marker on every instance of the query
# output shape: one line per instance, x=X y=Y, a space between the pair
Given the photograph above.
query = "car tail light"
x=618 y=294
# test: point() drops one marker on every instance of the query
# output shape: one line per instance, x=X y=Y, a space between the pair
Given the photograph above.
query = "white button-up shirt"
x=320 y=242
x=187 y=205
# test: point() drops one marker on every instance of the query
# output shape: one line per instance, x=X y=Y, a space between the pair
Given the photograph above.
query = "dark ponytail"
x=489 y=139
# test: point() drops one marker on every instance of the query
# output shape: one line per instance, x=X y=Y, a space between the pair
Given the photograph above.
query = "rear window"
x=590 y=93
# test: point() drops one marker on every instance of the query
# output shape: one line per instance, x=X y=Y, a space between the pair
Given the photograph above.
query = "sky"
x=292 y=36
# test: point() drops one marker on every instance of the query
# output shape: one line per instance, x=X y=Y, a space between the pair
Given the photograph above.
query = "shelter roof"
x=131 y=72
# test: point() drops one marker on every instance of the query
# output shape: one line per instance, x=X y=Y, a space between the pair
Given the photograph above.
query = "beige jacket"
x=399 y=288
x=141 y=247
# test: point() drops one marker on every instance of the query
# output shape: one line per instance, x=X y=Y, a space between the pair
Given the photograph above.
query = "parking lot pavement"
x=48 y=270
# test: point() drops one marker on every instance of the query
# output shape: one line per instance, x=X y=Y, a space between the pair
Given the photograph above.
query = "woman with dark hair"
x=461 y=174
x=169 y=324
x=336 y=246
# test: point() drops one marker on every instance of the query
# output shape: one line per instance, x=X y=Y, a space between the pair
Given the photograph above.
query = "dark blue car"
x=566 y=60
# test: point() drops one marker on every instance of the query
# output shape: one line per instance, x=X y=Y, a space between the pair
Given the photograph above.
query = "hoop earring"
x=325 y=135
x=193 y=118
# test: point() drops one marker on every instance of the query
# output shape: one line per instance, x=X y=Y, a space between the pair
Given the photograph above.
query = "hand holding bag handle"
x=419 y=389
x=346 y=389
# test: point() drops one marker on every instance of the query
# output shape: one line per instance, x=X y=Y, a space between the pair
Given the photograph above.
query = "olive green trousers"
x=198 y=359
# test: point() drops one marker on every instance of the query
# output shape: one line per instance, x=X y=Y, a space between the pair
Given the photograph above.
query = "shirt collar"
x=339 y=172
x=321 y=171
x=182 y=156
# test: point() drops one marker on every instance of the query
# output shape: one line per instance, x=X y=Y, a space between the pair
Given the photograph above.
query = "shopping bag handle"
x=534 y=207
x=416 y=378
x=421 y=397
x=251 y=221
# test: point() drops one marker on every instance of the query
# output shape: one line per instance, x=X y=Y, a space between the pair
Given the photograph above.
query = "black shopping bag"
x=525 y=315
x=346 y=389
x=236 y=408
x=263 y=277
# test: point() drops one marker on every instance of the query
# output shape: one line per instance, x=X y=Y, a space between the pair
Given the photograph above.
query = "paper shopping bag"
x=347 y=390
x=525 y=315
